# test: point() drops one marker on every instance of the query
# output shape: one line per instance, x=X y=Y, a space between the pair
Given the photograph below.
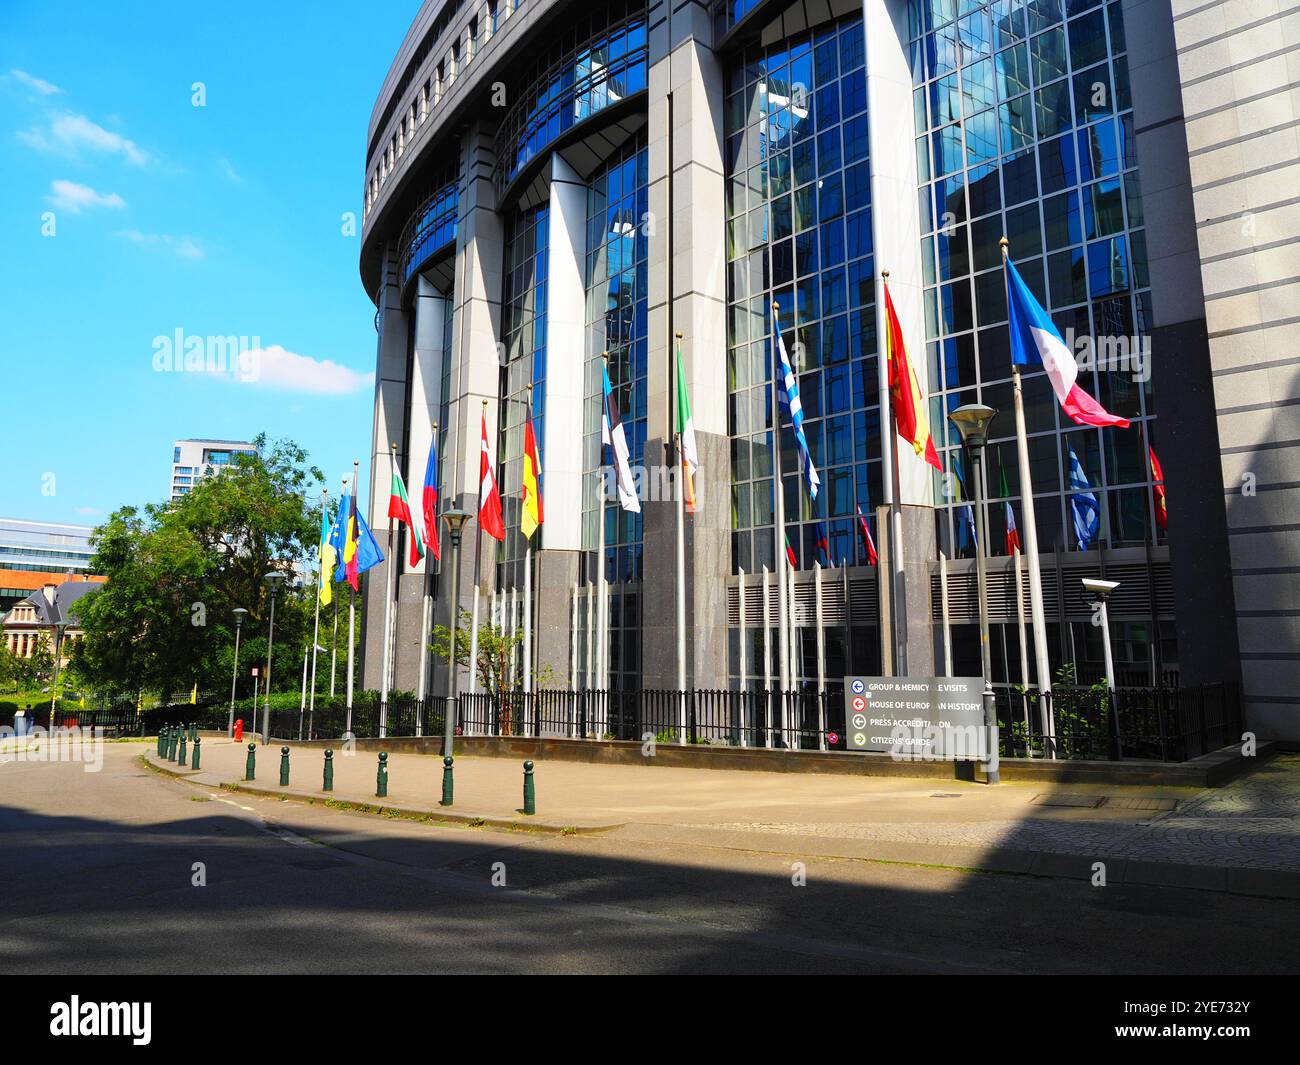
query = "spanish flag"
x=909 y=403
x=532 y=516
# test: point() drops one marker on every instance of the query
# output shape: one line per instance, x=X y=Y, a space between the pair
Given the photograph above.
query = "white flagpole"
x=573 y=657
x=514 y=629
x=796 y=658
x=320 y=583
x=767 y=648
x=943 y=607
x=387 y=671
x=778 y=495
x=889 y=490
x=478 y=556
x=681 y=565
x=528 y=619
x=1020 y=625
x=821 y=656
x=352 y=616
x=1031 y=547
x=744 y=658
x=426 y=611
x=302 y=703
x=334 y=649
x=591 y=636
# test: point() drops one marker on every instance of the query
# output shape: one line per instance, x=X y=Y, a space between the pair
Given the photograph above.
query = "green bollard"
x=381 y=777
x=194 y=731
x=162 y=735
x=284 y=767
x=195 y=763
x=169 y=748
x=329 y=771
x=530 y=790
x=250 y=766
x=180 y=754
x=447 y=782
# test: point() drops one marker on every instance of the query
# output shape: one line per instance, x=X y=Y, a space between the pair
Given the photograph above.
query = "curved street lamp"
x=455 y=519
x=273 y=580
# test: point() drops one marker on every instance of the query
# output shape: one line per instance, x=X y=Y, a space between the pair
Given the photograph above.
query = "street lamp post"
x=240 y=613
x=1101 y=592
x=59 y=628
x=972 y=421
x=455 y=520
x=273 y=580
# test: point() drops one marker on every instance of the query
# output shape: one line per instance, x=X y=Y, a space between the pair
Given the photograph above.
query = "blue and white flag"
x=613 y=436
x=1083 y=504
x=788 y=397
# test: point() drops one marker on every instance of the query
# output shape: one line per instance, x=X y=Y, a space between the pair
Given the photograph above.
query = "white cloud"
x=68 y=134
x=231 y=173
x=41 y=86
x=273 y=367
x=73 y=198
x=89 y=511
x=185 y=247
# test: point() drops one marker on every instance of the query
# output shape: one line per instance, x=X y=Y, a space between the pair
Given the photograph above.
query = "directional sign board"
x=916 y=718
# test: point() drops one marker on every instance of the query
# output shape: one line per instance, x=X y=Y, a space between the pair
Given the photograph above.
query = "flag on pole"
x=338 y=535
x=790 y=556
x=1035 y=339
x=429 y=498
x=1013 y=533
x=399 y=507
x=533 y=514
x=824 y=543
x=905 y=392
x=360 y=549
x=327 y=558
x=489 y=506
x=194 y=695
x=867 y=542
x=1083 y=504
x=1158 y=476
x=788 y=398
x=613 y=437
x=690 y=458
x=965 y=513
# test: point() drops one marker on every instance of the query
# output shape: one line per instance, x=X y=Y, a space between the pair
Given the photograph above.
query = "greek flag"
x=788 y=397
x=1083 y=504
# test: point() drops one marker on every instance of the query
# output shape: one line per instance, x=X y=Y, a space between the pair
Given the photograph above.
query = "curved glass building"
x=554 y=188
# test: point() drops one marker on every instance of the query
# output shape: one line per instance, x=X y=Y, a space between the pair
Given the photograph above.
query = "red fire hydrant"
x=239 y=729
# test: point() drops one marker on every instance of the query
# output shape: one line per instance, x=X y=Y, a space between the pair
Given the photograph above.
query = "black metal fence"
x=1166 y=724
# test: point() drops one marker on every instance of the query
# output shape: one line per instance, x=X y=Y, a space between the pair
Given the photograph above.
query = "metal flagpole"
x=744 y=657
x=796 y=660
x=426 y=613
x=1020 y=624
x=334 y=649
x=778 y=496
x=573 y=658
x=1042 y=666
x=681 y=562
x=602 y=601
x=946 y=620
x=478 y=580
x=767 y=654
x=821 y=657
x=591 y=636
x=389 y=584
x=889 y=485
x=898 y=579
x=352 y=613
x=302 y=703
x=315 y=639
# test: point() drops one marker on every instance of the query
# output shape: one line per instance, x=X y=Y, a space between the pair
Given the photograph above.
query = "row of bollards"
x=172 y=740
x=381 y=774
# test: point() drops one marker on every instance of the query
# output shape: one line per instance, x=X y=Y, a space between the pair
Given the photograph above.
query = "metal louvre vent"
x=1133 y=598
x=862 y=607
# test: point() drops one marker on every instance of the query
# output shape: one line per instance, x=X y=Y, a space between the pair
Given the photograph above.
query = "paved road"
x=97 y=877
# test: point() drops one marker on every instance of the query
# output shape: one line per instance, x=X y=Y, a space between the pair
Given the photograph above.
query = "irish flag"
x=399 y=507
x=686 y=436
x=1035 y=339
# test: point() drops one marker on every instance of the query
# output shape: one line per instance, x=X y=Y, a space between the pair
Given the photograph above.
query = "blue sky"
x=217 y=220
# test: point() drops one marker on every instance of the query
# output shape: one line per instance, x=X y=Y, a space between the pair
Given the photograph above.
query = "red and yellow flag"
x=533 y=515
x=905 y=393
x=1158 y=476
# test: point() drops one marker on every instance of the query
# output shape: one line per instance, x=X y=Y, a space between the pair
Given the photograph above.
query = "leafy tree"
x=497 y=650
x=175 y=572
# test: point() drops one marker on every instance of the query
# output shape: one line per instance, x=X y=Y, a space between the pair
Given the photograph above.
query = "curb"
x=545 y=828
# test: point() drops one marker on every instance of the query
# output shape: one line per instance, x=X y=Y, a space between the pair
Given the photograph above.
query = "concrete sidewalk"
x=1243 y=837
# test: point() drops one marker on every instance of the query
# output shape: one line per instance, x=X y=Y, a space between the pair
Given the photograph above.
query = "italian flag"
x=399 y=507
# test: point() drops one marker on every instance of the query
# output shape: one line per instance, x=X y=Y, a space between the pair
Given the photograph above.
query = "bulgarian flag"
x=908 y=402
x=1035 y=339
x=867 y=542
x=533 y=515
x=690 y=458
x=790 y=556
x=399 y=507
x=1158 y=476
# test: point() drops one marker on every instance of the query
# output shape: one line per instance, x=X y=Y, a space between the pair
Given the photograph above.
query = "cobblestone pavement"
x=1253 y=823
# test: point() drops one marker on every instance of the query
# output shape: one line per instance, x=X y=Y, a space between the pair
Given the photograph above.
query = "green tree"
x=175 y=571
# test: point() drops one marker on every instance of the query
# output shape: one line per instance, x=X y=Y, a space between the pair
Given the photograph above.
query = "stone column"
x=686 y=170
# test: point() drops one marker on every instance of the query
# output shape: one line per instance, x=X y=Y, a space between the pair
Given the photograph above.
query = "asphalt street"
x=100 y=874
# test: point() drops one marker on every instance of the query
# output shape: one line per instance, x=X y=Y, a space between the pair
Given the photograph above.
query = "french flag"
x=1035 y=339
